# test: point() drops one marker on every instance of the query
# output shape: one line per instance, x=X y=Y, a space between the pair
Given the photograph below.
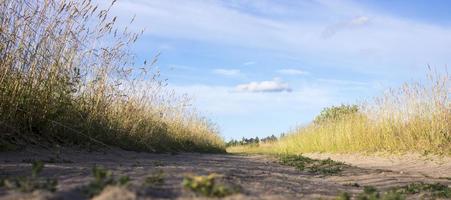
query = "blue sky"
x=261 y=67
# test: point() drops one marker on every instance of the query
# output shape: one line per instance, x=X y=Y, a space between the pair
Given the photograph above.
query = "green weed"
x=103 y=178
x=207 y=186
x=426 y=190
x=344 y=196
x=436 y=190
x=325 y=167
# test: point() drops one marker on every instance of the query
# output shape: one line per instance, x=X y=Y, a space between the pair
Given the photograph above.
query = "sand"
x=257 y=176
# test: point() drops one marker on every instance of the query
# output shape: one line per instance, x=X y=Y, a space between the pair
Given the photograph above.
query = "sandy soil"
x=259 y=177
x=429 y=166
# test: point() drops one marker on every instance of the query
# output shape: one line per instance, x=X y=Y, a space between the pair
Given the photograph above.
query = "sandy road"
x=259 y=177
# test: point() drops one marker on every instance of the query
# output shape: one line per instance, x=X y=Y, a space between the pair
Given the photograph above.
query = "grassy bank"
x=413 y=118
x=67 y=76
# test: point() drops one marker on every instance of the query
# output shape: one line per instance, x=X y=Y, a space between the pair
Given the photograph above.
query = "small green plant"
x=325 y=167
x=344 y=196
x=154 y=179
x=436 y=190
x=31 y=183
x=207 y=186
x=369 y=193
x=103 y=178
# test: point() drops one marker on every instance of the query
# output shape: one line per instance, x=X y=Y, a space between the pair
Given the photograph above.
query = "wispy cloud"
x=329 y=31
x=342 y=82
x=293 y=72
x=227 y=72
x=249 y=63
x=274 y=85
x=180 y=67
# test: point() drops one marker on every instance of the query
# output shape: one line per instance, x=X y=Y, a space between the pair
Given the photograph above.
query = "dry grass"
x=414 y=118
x=67 y=76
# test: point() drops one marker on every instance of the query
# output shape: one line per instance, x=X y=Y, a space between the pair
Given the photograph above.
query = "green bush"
x=335 y=113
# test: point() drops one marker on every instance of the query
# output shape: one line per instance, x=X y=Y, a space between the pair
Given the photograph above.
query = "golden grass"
x=414 y=118
x=67 y=76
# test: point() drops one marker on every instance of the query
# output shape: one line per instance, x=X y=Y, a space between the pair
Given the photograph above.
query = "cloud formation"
x=227 y=72
x=274 y=85
x=293 y=72
x=311 y=35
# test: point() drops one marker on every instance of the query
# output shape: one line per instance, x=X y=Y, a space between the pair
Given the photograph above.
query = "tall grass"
x=413 y=118
x=67 y=75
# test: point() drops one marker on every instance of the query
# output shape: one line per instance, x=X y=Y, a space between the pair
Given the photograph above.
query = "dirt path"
x=259 y=177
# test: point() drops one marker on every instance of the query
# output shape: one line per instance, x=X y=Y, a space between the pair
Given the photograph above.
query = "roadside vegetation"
x=414 y=118
x=32 y=182
x=314 y=166
x=67 y=76
x=419 y=190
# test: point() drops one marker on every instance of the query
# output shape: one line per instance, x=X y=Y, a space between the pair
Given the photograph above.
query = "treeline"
x=251 y=141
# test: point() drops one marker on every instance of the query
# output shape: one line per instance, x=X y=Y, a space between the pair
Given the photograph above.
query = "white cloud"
x=329 y=31
x=227 y=72
x=358 y=21
x=292 y=72
x=264 y=86
x=249 y=63
x=224 y=100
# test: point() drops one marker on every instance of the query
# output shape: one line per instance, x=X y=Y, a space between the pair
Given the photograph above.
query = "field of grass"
x=67 y=76
x=412 y=119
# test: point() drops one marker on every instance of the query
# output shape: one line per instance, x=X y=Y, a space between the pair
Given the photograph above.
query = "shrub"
x=335 y=113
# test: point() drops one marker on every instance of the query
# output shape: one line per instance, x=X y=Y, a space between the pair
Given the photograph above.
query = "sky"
x=263 y=67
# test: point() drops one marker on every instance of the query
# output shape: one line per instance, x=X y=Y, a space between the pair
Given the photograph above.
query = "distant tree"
x=271 y=138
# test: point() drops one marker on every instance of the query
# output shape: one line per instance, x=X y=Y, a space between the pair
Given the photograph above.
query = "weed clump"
x=103 y=178
x=436 y=190
x=31 y=183
x=425 y=190
x=207 y=186
x=324 y=167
